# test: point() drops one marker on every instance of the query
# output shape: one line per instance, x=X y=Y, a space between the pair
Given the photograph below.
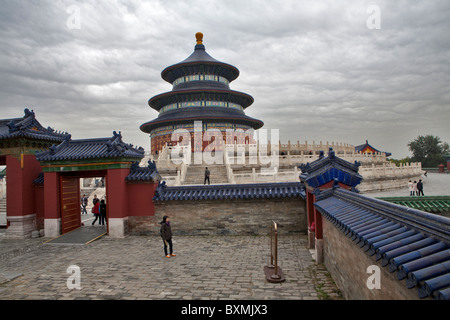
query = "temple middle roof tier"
x=187 y=115
x=167 y=98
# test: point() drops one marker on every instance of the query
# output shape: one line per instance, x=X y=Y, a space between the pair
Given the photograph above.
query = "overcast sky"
x=315 y=68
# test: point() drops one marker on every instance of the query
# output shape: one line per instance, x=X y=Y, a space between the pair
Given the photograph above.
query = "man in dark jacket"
x=84 y=202
x=419 y=188
x=207 y=173
x=166 y=235
x=102 y=212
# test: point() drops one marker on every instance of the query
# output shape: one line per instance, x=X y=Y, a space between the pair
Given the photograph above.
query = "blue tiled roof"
x=29 y=127
x=199 y=58
x=413 y=243
x=230 y=191
x=201 y=113
x=326 y=169
x=141 y=174
x=82 y=149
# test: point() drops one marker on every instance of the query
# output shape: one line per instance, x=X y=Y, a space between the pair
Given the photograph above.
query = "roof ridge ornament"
x=199 y=37
x=117 y=135
x=331 y=153
x=29 y=113
x=12 y=126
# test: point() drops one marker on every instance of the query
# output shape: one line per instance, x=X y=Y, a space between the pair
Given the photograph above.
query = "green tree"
x=429 y=150
x=399 y=161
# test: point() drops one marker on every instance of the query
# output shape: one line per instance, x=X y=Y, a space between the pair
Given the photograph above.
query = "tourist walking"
x=414 y=188
x=96 y=212
x=420 y=188
x=207 y=173
x=84 y=202
x=95 y=200
x=410 y=187
x=102 y=212
x=166 y=235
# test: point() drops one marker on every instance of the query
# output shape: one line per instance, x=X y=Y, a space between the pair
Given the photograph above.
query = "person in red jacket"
x=96 y=212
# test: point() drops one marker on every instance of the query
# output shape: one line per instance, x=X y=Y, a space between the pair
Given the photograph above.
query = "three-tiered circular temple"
x=201 y=93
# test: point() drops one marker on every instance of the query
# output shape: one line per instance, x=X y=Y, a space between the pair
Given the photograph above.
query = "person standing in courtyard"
x=410 y=187
x=420 y=187
x=166 y=235
x=207 y=173
x=95 y=200
x=414 y=188
x=96 y=212
x=84 y=202
x=102 y=212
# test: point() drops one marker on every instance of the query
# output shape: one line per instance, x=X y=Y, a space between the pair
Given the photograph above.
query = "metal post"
x=271 y=247
x=275 y=274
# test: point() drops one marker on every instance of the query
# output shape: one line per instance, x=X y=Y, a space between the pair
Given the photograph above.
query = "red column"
x=318 y=221
x=319 y=236
x=310 y=207
x=52 y=210
x=310 y=219
x=21 y=170
x=116 y=201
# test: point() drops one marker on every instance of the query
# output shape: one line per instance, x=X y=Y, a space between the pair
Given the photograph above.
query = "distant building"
x=367 y=148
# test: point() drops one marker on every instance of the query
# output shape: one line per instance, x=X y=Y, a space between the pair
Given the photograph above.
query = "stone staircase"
x=195 y=174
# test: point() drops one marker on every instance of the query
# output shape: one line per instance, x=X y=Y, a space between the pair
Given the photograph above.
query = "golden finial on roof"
x=199 y=37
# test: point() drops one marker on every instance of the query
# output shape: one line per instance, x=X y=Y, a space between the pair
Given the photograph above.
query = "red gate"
x=70 y=204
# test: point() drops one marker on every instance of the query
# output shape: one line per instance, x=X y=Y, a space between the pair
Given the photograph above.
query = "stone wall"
x=348 y=263
x=225 y=217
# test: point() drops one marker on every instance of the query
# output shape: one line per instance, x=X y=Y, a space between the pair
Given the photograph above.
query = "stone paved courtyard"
x=222 y=267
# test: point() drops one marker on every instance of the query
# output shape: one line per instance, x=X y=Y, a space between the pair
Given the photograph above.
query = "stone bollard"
x=35 y=234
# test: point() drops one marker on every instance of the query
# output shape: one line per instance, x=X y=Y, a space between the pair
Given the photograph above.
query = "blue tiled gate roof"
x=85 y=149
x=413 y=243
x=29 y=127
x=230 y=191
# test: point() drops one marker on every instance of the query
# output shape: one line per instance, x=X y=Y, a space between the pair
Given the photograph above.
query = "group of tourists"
x=98 y=209
x=415 y=188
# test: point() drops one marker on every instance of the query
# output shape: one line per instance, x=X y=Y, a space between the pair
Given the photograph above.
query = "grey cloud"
x=314 y=68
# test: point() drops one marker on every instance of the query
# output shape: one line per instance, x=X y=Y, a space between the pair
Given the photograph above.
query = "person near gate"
x=95 y=200
x=207 y=173
x=410 y=187
x=84 y=202
x=102 y=212
x=420 y=187
x=166 y=235
x=96 y=212
x=415 y=192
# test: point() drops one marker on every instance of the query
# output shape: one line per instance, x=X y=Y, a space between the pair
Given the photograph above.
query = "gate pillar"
x=21 y=170
x=116 y=198
x=52 y=214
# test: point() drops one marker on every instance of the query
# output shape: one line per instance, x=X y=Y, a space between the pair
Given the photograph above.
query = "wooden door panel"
x=70 y=204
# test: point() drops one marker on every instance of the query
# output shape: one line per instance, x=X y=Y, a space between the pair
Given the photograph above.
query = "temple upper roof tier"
x=199 y=62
